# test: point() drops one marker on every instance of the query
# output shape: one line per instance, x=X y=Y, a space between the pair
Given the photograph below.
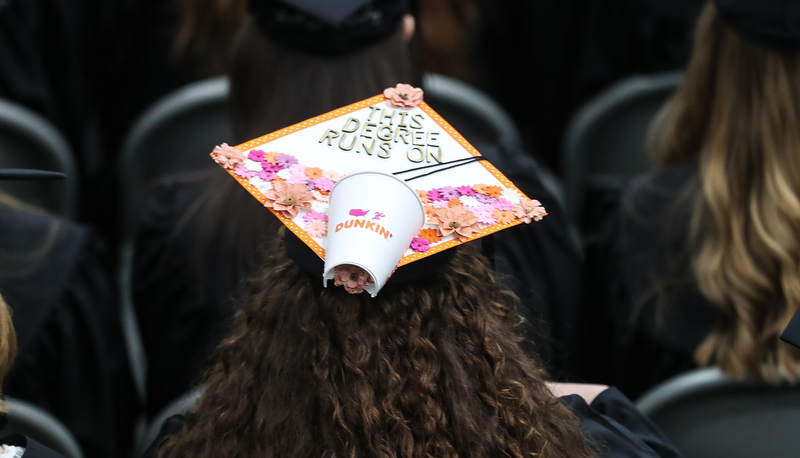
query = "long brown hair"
x=738 y=113
x=432 y=368
x=8 y=344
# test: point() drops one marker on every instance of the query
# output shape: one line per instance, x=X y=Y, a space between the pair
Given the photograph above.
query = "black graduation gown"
x=33 y=449
x=183 y=314
x=71 y=357
x=638 y=259
x=612 y=425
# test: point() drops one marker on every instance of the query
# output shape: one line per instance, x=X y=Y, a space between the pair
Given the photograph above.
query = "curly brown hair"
x=426 y=369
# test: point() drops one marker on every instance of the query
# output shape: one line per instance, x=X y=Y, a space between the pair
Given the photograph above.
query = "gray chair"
x=27 y=140
x=711 y=415
x=41 y=426
x=174 y=135
x=604 y=146
x=181 y=405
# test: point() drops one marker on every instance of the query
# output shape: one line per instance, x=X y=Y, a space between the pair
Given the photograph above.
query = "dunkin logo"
x=362 y=223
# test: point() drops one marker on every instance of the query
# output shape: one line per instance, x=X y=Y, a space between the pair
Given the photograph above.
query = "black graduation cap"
x=773 y=24
x=327 y=27
x=791 y=334
x=30 y=174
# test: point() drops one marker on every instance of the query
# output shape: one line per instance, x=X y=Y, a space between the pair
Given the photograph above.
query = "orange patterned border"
x=299 y=232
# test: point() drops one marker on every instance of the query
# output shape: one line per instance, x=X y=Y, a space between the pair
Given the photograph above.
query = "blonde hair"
x=738 y=112
x=8 y=344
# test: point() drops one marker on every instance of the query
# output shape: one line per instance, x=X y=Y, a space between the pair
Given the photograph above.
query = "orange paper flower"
x=480 y=188
x=456 y=220
x=313 y=172
x=493 y=191
x=429 y=235
x=270 y=157
x=504 y=217
x=429 y=211
x=423 y=195
x=453 y=203
x=528 y=210
x=288 y=198
x=403 y=96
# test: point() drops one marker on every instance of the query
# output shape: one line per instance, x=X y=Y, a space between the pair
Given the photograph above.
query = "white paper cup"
x=373 y=218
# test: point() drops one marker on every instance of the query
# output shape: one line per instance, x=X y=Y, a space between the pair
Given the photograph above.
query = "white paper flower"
x=284 y=174
x=260 y=184
x=469 y=201
x=511 y=195
x=253 y=165
x=319 y=207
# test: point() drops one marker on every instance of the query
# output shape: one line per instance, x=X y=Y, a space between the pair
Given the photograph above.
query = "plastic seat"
x=181 y=405
x=604 y=146
x=471 y=112
x=41 y=426
x=27 y=140
x=711 y=415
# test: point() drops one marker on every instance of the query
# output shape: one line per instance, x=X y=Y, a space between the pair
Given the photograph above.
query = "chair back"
x=179 y=406
x=604 y=146
x=38 y=424
x=711 y=415
x=175 y=135
x=27 y=140
x=474 y=114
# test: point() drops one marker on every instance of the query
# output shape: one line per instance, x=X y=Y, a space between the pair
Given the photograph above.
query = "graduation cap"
x=773 y=24
x=29 y=174
x=377 y=184
x=327 y=27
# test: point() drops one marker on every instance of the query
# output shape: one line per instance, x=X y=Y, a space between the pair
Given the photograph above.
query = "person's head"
x=8 y=343
x=426 y=368
x=737 y=113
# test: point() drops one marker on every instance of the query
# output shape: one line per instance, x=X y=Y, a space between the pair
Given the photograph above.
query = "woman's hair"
x=8 y=344
x=430 y=368
x=738 y=113
x=208 y=30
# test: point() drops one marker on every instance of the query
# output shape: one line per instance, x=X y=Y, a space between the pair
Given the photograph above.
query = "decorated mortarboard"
x=327 y=27
x=378 y=184
x=29 y=174
x=773 y=24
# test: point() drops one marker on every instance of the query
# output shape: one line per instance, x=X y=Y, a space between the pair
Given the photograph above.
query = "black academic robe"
x=647 y=312
x=71 y=357
x=612 y=425
x=183 y=311
x=33 y=449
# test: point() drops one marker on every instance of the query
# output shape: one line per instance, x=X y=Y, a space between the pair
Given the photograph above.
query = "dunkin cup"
x=372 y=219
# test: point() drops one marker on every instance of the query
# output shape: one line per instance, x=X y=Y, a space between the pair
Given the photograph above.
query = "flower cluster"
x=462 y=211
x=353 y=278
x=403 y=96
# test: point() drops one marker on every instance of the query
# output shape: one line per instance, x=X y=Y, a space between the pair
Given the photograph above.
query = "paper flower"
x=485 y=215
x=423 y=195
x=297 y=178
x=317 y=228
x=469 y=201
x=288 y=198
x=454 y=203
x=333 y=175
x=456 y=220
x=528 y=210
x=260 y=184
x=244 y=172
x=502 y=204
x=270 y=167
x=403 y=96
x=269 y=158
x=466 y=190
x=504 y=217
x=298 y=169
x=313 y=215
x=313 y=172
x=511 y=195
x=322 y=183
x=430 y=211
x=285 y=160
x=449 y=192
x=256 y=155
x=440 y=204
x=484 y=199
x=493 y=191
x=420 y=245
x=353 y=278
x=479 y=188
x=266 y=175
x=283 y=174
x=254 y=166
x=319 y=207
x=434 y=195
x=227 y=156
x=429 y=235
x=319 y=197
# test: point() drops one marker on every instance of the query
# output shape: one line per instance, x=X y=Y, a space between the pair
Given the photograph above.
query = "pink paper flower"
x=312 y=215
x=227 y=156
x=502 y=204
x=449 y=192
x=332 y=175
x=319 y=197
x=244 y=172
x=285 y=161
x=323 y=184
x=297 y=178
x=403 y=96
x=440 y=203
x=420 y=245
x=528 y=210
x=434 y=195
x=288 y=198
x=353 y=278
x=256 y=155
x=485 y=215
x=455 y=219
x=270 y=167
x=266 y=175
x=466 y=190
x=317 y=228
x=298 y=168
